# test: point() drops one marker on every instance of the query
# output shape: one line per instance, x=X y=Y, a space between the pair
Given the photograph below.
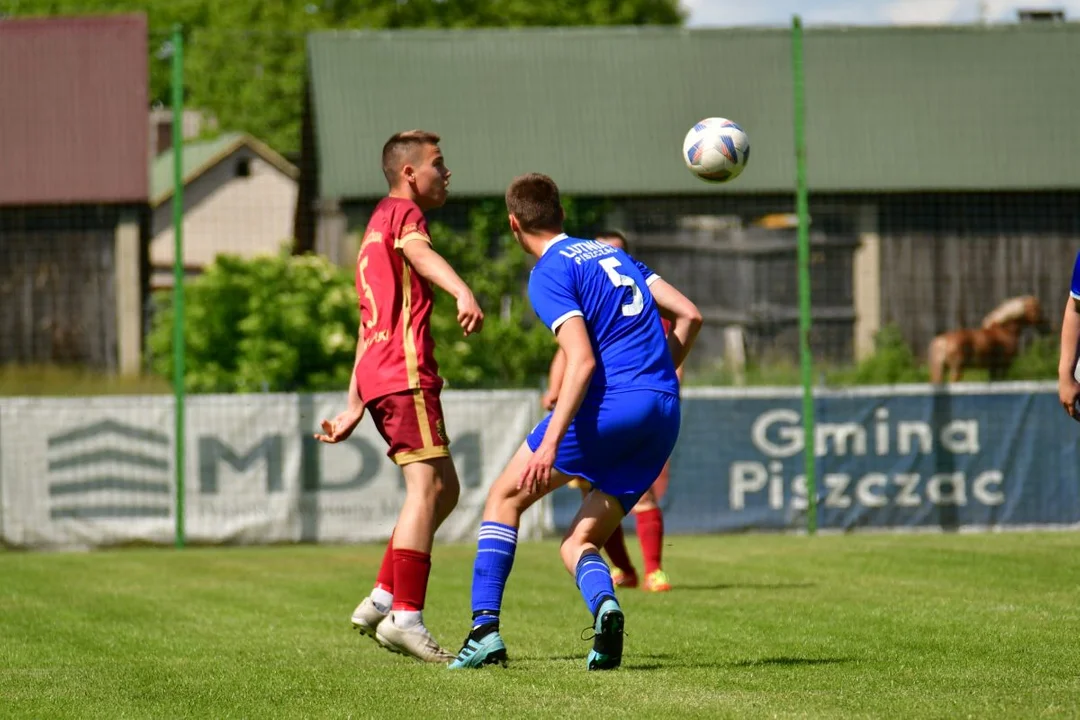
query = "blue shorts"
x=619 y=443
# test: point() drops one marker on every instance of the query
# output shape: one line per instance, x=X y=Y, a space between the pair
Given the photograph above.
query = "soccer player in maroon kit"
x=650 y=519
x=396 y=379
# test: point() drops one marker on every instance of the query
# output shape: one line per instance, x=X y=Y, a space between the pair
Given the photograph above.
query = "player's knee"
x=448 y=494
x=432 y=482
x=646 y=503
x=447 y=486
x=570 y=551
x=505 y=498
x=499 y=497
x=574 y=543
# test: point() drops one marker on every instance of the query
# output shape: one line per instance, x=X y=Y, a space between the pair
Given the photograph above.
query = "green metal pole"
x=178 y=269
x=802 y=210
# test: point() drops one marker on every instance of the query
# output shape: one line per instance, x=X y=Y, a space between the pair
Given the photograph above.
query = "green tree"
x=515 y=348
x=245 y=59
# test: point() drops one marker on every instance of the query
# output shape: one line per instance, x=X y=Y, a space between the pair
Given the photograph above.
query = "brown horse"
x=992 y=346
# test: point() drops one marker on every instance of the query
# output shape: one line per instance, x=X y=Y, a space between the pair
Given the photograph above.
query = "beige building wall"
x=129 y=308
x=866 y=283
x=244 y=216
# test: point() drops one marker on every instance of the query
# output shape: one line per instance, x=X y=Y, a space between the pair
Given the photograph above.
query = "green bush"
x=891 y=363
x=275 y=323
x=1038 y=360
x=514 y=348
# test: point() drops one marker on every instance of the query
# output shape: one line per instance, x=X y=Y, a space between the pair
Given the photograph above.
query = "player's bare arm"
x=342 y=426
x=433 y=267
x=1068 y=387
x=685 y=318
x=574 y=342
x=555 y=375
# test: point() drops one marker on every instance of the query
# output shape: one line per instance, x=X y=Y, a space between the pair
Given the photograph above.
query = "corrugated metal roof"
x=73 y=110
x=201 y=155
x=604 y=110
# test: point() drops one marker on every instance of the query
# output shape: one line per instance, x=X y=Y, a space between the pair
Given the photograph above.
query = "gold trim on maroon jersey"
x=430 y=453
x=412 y=360
x=414 y=234
x=422 y=418
x=373 y=236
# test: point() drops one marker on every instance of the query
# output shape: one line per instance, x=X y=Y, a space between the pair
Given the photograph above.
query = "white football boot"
x=367 y=616
x=414 y=641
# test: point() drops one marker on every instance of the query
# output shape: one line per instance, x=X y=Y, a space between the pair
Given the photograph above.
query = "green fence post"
x=178 y=269
x=802 y=210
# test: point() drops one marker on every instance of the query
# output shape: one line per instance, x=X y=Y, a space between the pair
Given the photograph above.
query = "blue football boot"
x=483 y=647
x=606 y=653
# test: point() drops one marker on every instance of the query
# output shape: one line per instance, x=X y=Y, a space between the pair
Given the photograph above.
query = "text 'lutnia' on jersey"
x=579 y=252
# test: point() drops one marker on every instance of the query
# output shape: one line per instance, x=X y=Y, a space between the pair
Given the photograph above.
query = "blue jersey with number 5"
x=610 y=290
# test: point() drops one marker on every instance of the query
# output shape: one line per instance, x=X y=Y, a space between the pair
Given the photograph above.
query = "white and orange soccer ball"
x=716 y=150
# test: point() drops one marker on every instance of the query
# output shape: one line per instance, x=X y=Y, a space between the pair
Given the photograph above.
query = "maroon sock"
x=615 y=548
x=411 y=570
x=650 y=531
x=385 y=578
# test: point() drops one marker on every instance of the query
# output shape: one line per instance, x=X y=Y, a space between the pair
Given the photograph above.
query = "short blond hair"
x=401 y=148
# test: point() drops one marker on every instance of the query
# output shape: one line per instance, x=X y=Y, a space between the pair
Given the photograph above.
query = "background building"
x=73 y=190
x=939 y=181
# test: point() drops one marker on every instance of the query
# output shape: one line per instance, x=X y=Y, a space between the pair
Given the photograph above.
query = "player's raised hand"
x=341 y=427
x=469 y=314
x=537 y=474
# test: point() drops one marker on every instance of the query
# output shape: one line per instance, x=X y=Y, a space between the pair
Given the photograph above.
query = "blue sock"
x=494 y=559
x=594 y=580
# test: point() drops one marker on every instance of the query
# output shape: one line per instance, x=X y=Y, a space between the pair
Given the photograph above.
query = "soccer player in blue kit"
x=614 y=424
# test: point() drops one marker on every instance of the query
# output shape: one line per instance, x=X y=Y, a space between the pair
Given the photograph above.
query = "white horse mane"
x=1008 y=311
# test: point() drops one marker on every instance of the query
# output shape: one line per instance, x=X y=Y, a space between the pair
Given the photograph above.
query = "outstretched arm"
x=342 y=426
x=684 y=315
x=433 y=267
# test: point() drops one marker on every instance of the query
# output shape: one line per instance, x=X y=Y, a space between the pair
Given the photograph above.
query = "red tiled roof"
x=73 y=110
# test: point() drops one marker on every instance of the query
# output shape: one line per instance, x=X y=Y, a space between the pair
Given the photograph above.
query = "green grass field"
x=945 y=626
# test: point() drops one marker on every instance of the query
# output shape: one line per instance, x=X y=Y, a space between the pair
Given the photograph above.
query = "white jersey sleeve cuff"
x=1074 y=295
x=651 y=279
x=564 y=317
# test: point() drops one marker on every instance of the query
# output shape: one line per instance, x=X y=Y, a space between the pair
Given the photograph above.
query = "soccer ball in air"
x=716 y=150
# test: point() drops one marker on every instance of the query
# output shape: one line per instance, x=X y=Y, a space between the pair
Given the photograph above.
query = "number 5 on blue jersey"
x=635 y=306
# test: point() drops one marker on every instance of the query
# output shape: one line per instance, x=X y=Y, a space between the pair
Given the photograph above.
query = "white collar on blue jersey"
x=548 y=245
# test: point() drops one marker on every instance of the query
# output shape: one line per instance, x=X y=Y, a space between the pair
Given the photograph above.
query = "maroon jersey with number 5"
x=395 y=305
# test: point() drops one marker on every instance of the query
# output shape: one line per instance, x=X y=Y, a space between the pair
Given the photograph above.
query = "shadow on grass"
x=676 y=661
x=687 y=662
x=784 y=661
x=742 y=586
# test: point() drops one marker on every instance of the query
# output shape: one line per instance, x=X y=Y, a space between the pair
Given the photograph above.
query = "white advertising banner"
x=89 y=472
x=242 y=474
x=353 y=491
x=83 y=472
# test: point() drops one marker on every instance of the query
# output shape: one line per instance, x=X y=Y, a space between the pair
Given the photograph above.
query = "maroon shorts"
x=411 y=422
